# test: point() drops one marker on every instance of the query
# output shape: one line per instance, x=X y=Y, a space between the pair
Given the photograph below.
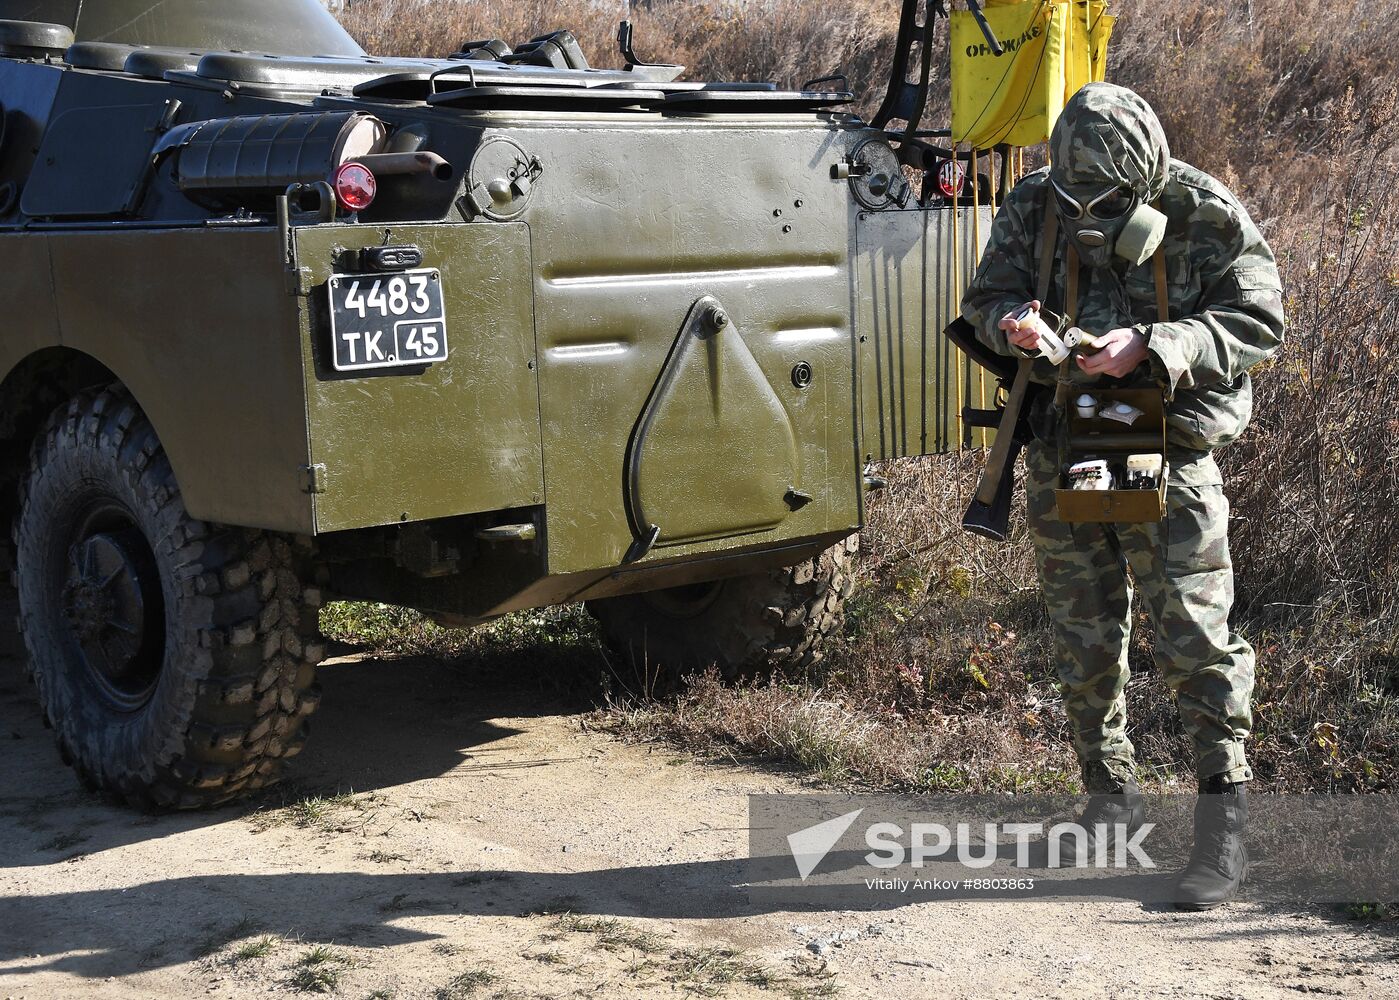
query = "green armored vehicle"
x=471 y=335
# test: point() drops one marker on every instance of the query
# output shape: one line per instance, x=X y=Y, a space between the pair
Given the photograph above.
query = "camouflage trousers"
x=1182 y=571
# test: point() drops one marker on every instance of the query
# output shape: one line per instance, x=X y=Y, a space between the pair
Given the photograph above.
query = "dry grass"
x=694 y=971
x=258 y=948
x=467 y=984
x=319 y=970
x=1264 y=95
x=943 y=680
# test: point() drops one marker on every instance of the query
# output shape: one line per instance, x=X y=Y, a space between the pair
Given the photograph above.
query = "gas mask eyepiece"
x=1115 y=220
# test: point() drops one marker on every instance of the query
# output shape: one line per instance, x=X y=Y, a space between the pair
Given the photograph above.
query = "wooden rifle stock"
x=988 y=514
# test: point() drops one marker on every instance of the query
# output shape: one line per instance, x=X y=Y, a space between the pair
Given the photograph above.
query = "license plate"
x=387 y=320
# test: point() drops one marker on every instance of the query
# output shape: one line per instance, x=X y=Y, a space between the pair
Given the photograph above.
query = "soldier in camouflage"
x=1110 y=161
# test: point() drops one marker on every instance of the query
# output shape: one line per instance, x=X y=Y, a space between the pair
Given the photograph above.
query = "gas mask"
x=1103 y=224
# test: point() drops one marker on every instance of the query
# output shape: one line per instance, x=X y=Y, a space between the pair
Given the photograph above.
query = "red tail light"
x=355 y=187
x=951 y=178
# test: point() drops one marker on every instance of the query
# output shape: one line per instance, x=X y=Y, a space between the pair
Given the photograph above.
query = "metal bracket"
x=301 y=282
x=625 y=32
x=642 y=545
x=624 y=42
x=299 y=278
x=461 y=67
x=161 y=127
x=634 y=64
x=847 y=168
x=313 y=478
x=324 y=211
x=906 y=98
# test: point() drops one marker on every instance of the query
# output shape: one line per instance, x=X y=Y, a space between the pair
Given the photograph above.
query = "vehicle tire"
x=175 y=659
x=743 y=627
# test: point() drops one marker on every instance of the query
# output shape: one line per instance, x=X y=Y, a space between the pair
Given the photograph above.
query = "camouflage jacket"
x=1225 y=306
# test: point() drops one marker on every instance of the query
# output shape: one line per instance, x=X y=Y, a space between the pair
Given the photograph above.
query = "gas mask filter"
x=1115 y=222
x=1141 y=234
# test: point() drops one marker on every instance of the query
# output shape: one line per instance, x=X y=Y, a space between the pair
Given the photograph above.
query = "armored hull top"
x=294 y=27
x=182 y=111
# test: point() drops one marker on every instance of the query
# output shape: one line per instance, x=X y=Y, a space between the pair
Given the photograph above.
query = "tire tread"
x=251 y=669
x=774 y=621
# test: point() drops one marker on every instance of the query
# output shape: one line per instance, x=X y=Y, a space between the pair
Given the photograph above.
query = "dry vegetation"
x=787 y=40
x=943 y=680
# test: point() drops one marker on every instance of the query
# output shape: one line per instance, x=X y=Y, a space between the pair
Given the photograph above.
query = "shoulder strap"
x=1046 y=272
x=1051 y=238
x=1071 y=284
x=1163 y=299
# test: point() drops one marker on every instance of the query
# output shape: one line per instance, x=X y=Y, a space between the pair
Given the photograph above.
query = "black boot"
x=1218 y=865
x=1118 y=814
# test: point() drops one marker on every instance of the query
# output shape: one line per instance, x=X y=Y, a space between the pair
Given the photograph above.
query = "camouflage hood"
x=1108 y=137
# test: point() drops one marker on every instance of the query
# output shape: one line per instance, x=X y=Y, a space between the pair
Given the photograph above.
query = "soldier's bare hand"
x=1118 y=353
x=1023 y=333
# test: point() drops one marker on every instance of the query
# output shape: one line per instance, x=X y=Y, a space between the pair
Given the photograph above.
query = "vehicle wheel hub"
x=110 y=591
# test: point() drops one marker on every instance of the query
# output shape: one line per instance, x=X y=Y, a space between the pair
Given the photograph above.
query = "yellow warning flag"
x=1051 y=50
x=1092 y=30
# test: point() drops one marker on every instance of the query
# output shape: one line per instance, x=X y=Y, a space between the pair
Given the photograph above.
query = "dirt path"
x=484 y=813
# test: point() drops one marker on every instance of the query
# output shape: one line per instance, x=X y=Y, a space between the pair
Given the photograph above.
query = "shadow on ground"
x=382 y=723
x=385 y=723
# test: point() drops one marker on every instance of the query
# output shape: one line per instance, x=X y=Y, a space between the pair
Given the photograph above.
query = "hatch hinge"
x=299 y=282
x=313 y=478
